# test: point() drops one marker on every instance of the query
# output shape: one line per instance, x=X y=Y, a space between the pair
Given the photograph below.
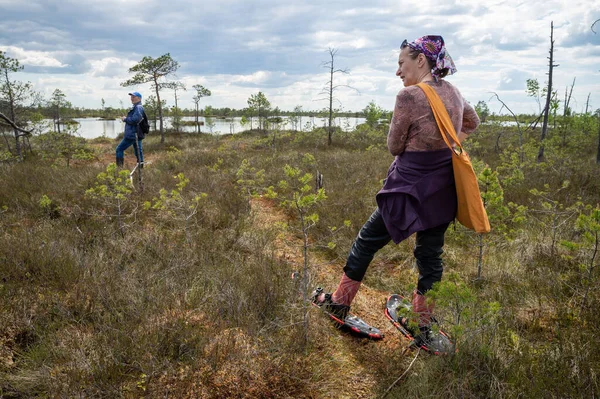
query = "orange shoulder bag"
x=471 y=212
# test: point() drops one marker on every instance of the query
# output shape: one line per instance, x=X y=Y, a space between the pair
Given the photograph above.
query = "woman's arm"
x=400 y=123
x=462 y=136
x=470 y=121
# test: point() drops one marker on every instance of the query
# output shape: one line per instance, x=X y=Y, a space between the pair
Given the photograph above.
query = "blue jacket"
x=132 y=121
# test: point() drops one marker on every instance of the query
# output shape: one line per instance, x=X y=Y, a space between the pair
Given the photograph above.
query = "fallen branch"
x=516 y=121
x=25 y=132
x=403 y=374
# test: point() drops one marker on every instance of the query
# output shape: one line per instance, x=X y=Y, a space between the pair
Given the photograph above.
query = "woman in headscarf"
x=419 y=195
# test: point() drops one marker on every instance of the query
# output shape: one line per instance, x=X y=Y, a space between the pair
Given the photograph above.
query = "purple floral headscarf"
x=433 y=48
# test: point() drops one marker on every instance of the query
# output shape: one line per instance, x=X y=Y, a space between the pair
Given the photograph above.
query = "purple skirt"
x=418 y=194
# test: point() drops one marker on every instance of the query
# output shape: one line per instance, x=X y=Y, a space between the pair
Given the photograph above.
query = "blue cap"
x=135 y=93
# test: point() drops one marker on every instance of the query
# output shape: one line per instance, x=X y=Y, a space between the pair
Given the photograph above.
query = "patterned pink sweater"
x=413 y=126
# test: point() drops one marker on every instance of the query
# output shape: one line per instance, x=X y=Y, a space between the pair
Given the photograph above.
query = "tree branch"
x=507 y=108
x=25 y=132
x=348 y=86
x=326 y=89
x=521 y=155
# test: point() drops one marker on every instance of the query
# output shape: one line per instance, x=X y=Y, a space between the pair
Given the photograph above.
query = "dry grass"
x=203 y=306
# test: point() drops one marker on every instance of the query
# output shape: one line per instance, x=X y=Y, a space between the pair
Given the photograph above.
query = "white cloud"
x=110 y=66
x=364 y=11
x=32 y=58
x=235 y=48
x=340 y=40
x=256 y=78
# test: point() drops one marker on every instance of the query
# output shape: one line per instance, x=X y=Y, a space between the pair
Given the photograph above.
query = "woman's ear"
x=422 y=60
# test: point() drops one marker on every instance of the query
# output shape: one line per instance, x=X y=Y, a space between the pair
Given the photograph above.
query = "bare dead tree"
x=551 y=66
x=598 y=152
x=592 y=27
x=587 y=103
x=330 y=88
x=535 y=122
x=516 y=121
x=566 y=109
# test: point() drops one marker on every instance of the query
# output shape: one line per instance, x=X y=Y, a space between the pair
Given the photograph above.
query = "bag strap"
x=441 y=117
x=143 y=115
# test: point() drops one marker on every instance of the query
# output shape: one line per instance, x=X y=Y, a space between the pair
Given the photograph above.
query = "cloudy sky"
x=236 y=48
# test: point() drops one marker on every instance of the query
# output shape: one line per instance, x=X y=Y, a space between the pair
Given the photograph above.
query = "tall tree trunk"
x=197 y=124
x=18 y=145
x=598 y=152
x=329 y=140
x=58 y=117
x=160 y=112
x=7 y=143
x=568 y=99
x=540 y=156
x=28 y=144
x=11 y=103
x=587 y=103
x=566 y=112
x=177 y=112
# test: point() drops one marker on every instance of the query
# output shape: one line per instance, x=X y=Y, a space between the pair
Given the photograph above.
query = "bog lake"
x=90 y=128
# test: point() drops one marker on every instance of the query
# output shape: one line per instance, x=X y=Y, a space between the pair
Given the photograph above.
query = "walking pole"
x=137 y=166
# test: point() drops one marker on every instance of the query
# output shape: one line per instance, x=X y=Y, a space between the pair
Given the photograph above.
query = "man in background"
x=132 y=134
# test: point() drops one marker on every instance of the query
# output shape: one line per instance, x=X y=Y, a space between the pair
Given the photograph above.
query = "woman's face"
x=410 y=71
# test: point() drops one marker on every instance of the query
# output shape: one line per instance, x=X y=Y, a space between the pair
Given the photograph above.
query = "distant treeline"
x=70 y=112
x=226 y=112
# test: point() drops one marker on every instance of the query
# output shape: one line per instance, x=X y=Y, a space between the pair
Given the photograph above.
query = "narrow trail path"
x=350 y=365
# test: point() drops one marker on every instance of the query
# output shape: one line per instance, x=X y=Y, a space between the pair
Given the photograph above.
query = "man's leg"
x=120 y=151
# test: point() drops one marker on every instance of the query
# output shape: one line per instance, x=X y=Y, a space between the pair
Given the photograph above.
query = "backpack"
x=144 y=125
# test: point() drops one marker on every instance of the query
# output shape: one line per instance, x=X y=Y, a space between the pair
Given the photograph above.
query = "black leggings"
x=374 y=235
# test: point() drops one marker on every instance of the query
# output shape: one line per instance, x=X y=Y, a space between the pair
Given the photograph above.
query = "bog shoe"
x=435 y=342
x=337 y=311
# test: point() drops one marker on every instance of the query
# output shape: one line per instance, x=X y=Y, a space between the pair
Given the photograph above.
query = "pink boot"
x=346 y=290
x=422 y=309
